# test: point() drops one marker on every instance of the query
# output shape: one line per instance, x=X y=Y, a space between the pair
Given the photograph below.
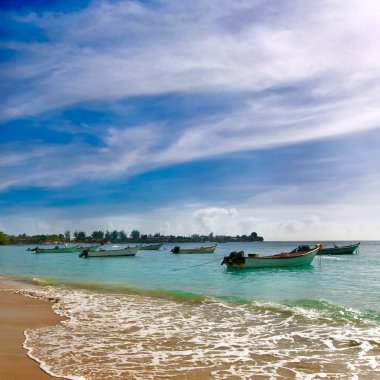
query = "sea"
x=160 y=315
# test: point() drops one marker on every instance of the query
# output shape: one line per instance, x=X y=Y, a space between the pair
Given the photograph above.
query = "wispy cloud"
x=268 y=75
x=133 y=49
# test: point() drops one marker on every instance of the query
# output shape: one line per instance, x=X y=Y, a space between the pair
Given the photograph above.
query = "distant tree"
x=42 y=238
x=67 y=236
x=135 y=235
x=114 y=236
x=3 y=238
x=53 y=238
x=254 y=237
x=122 y=236
x=97 y=235
x=80 y=236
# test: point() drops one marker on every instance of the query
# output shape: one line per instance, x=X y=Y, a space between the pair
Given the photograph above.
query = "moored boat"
x=57 y=249
x=92 y=247
x=342 y=250
x=128 y=251
x=151 y=247
x=298 y=257
x=178 y=249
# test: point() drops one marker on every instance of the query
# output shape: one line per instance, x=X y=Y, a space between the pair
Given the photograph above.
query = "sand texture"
x=18 y=313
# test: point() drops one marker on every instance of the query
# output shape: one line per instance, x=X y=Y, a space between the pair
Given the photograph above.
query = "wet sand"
x=18 y=313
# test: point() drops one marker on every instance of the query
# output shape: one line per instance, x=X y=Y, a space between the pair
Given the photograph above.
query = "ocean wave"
x=312 y=308
x=157 y=335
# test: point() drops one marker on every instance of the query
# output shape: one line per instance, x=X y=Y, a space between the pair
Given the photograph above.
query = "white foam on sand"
x=118 y=336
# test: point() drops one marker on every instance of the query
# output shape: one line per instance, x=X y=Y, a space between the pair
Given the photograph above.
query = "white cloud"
x=326 y=52
x=116 y=50
x=280 y=223
x=301 y=72
x=211 y=219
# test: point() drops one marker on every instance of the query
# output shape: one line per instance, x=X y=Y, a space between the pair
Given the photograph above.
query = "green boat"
x=152 y=247
x=336 y=250
x=57 y=249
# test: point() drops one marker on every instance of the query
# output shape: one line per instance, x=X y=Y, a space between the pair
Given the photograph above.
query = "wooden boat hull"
x=131 y=251
x=152 y=247
x=194 y=250
x=275 y=261
x=345 y=250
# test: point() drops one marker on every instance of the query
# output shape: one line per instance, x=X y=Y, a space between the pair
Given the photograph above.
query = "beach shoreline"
x=144 y=318
x=17 y=314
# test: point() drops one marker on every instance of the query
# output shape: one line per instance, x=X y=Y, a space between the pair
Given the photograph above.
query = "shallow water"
x=160 y=316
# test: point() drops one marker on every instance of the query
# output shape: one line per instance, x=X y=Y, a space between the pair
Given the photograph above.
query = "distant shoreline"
x=141 y=242
x=120 y=237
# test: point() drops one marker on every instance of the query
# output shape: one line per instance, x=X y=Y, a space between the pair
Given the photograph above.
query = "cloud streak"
x=134 y=50
x=180 y=83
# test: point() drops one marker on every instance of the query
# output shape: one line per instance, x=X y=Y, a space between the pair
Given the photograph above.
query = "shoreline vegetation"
x=19 y=313
x=121 y=237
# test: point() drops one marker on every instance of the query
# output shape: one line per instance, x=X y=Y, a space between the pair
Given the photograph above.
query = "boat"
x=303 y=255
x=94 y=247
x=56 y=249
x=91 y=247
x=342 y=250
x=178 y=249
x=128 y=251
x=152 y=247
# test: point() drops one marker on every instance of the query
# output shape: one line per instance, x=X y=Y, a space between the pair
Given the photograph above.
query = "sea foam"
x=118 y=336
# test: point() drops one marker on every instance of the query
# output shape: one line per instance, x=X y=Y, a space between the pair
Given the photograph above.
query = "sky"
x=184 y=118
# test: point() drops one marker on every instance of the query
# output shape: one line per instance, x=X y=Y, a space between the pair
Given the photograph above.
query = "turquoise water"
x=349 y=281
x=165 y=316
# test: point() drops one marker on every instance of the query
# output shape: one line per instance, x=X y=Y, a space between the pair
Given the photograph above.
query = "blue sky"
x=191 y=117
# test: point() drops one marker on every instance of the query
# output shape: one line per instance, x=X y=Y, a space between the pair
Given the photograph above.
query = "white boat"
x=285 y=259
x=128 y=251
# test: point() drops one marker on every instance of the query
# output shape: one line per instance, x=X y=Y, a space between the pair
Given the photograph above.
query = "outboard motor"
x=84 y=253
x=176 y=249
x=234 y=258
x=228 y=259
x=240 y=259
x=301 y=248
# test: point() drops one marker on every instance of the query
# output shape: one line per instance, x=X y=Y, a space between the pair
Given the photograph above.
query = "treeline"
x=120 y=237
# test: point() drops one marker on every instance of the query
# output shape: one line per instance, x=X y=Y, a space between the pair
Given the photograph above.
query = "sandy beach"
x=18 y=313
